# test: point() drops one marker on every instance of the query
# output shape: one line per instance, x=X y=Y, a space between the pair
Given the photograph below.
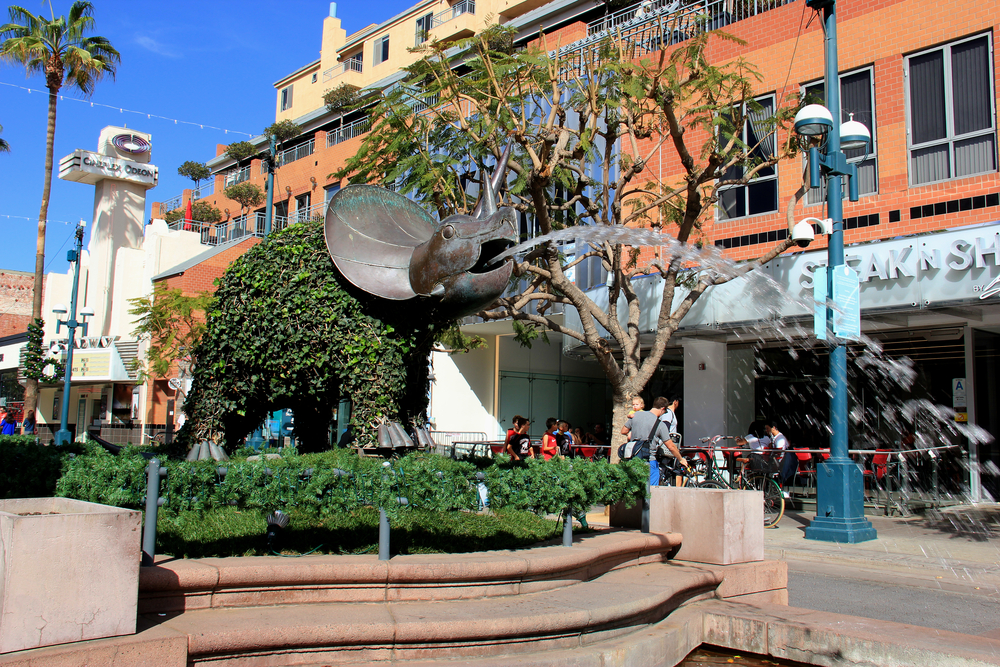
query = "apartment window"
x=381 y=50
x=857 y=100
x=302 y=204
x=424 y=25
x=951 y=129
x=286 y=98
x=760 y=195
x=315 y=77
x=330 y=191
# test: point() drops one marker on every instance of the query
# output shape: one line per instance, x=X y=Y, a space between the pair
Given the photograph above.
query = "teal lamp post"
x=840 y=511
x=63 y=436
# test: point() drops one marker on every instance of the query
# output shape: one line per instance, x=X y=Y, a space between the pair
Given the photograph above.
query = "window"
x=424 y=25
x=286 y=98
x=857 y=98
x=330 y=191
x=302 y=203
x=381 y=50
x=315 y=77
x=951 y=131
x=760 y=195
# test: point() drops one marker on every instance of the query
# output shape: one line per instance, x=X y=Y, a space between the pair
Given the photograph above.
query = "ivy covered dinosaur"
x=349 y=308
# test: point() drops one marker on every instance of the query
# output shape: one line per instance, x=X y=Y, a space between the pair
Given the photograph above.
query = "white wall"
x=704 y=390
x=462 y=391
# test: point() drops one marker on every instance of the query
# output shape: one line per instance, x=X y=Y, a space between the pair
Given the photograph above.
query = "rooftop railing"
x=291 y=155
x=171 y=204
x=234 y=176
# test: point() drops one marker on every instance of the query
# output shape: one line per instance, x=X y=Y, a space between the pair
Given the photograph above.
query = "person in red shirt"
x=550 y=446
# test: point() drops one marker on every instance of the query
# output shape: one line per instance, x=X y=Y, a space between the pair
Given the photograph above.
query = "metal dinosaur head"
x=386 y=245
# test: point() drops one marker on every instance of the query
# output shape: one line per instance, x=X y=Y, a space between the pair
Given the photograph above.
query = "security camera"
x=802 y=234
x=825 y=225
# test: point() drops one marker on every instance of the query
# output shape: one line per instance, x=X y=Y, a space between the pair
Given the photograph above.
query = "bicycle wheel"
x=701 y=466
x=774 y=501
x=712 y=484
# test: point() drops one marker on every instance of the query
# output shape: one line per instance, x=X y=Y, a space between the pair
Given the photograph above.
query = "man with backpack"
x=648 y=433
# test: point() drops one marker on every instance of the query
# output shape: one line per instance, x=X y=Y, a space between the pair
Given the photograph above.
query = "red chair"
x=877 y=473
x=807 y=469
x=586 y=452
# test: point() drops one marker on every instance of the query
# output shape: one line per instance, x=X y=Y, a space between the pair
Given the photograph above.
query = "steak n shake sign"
x=87 y=167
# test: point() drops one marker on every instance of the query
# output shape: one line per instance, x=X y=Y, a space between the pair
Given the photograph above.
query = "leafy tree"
x=4 y=146
x=38 y=365
x=172 y=322
x=586 y=127
x=341 y=98
x=283 y=130
x=196 y=171
x=247 y=195
x=201 y=211
x=60 y=50
x=241 y=150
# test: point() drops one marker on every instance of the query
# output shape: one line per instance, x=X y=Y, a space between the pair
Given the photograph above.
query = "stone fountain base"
x=614 y=598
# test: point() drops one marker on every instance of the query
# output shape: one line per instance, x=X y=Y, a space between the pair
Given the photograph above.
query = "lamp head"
x=59 y=309
x=813 y=120
x=854 y=135
x=86 y=311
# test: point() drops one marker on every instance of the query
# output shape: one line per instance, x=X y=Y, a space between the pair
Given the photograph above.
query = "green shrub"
x=31 y=470
x=339 y=482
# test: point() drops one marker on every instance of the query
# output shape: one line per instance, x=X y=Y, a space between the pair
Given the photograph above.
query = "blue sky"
x=210 y=63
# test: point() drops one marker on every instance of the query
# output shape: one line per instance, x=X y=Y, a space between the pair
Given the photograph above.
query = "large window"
x=424 y=25
x=286 y=98
x=951 y=130
x=857 y=101
x=760 y=195
x=381 y=50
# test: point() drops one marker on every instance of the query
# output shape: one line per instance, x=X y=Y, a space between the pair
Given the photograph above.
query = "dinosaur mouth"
x=487 y=251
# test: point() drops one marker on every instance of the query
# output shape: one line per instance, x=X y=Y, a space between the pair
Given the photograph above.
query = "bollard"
x=645 y=516
x=568 y=527
x=153 y=503
x=383 y=535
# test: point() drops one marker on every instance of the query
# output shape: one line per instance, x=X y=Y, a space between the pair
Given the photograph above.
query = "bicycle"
x=774 y=499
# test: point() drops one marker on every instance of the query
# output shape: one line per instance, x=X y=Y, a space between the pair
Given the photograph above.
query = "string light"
x=123 y=110
x=22 y=217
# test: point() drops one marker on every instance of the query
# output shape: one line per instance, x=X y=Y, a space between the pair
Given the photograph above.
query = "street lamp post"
x=271 y=148
x=63 y=436
x=840 y=484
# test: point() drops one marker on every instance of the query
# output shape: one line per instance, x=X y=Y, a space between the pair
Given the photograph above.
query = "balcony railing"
x=171 y=204
x=348 y=131
x=291 y=155
x=234 y=176
x=651 y=26
x=204 y=190
x=453 y=12
x=217 y=233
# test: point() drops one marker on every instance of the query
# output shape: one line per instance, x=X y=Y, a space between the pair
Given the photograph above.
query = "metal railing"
x=203 y=191
x=234 y=176
x=652 y=25
x=456 y=10
x=459 y=443
x=348 y=131
x=295 y=153
x=171 y=204
x=329 y=74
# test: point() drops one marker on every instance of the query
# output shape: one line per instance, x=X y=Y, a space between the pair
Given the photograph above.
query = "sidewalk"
x=957 y=546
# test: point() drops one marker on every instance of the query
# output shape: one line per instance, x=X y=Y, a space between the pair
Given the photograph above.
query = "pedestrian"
x=519 y=445
x=517 y=421
x=564 y=438
x=789 y=462
x=669 y=417
x=642 y=423
x=9 y=425
x=28 y=426
x=550 y=446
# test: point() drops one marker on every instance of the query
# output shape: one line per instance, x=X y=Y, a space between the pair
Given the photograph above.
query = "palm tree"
x=60 y=50
x=4 y=146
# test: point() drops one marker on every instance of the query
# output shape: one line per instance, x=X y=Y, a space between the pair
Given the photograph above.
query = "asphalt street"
x=931 y=603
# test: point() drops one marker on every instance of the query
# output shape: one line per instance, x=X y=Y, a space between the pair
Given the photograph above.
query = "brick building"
x=924 y=235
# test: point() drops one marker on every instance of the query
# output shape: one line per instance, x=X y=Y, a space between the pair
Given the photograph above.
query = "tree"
x=201 y=211
x=585 y=127
x=173 y=323
x=283 y=130
x=247 y=195
x=60 y=50
x=241 y=150
x=196 y=171
x=4 y=146
x=341 y=98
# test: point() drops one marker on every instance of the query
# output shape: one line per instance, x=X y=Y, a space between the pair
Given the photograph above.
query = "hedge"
x=340 y=481
x=30 y=470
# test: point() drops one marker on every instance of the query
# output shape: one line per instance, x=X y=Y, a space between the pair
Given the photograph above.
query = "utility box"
x=69 y=571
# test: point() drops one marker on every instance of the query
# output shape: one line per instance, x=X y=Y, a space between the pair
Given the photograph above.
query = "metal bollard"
x=645 y=516
x=153 y=503
x=568 y=527
x=383 y=535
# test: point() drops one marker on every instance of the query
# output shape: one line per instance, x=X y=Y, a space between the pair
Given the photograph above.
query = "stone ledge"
x=178 y=585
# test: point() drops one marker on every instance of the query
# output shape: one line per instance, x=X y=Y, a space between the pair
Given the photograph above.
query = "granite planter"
x=69 y=571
